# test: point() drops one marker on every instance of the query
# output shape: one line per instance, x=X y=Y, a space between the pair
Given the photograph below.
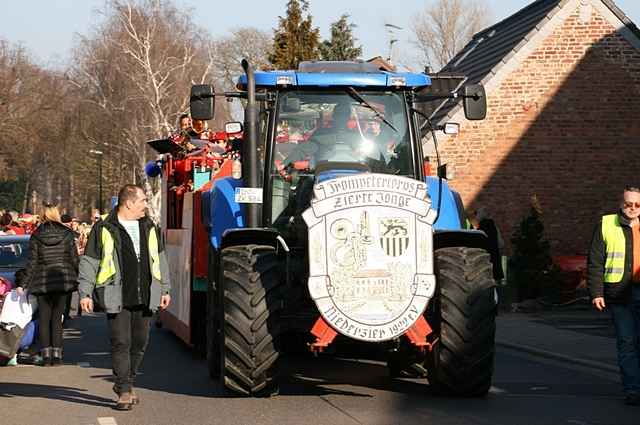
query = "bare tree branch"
x=444 y=27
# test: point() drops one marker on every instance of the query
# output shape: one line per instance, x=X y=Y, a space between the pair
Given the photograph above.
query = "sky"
x=49 y=28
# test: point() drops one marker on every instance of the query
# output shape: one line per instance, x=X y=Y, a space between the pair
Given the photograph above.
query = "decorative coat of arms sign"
x=371 y=253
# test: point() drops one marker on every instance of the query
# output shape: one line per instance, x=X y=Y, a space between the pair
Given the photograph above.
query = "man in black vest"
x=124 y=267
x=613 y=275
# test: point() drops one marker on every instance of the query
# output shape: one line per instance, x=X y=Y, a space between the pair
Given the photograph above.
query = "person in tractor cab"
x=613 y=275
x=341 y=142
x=385 y=143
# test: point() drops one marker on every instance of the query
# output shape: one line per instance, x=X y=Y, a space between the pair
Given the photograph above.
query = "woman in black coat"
x=51 y=274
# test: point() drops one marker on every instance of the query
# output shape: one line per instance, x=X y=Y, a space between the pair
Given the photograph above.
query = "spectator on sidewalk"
x=488 y=226
x=66 y=219
x=5 y=225
x=15 y=225
x=51 y=274
x=471 y=220
x=613 y=274
x=83 y=229
x=72 y=308
x=95 y=216
x=28 y=222
x=125 y=269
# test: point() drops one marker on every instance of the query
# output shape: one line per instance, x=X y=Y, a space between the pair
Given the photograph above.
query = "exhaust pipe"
x=250 y=145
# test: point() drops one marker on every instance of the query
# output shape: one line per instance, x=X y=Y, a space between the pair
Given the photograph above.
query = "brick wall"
x=564 y=125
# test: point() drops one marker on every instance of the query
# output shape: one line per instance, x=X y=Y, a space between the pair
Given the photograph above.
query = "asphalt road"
x=175 y=389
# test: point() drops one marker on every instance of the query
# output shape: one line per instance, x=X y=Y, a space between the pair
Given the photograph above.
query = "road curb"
x=557 y=356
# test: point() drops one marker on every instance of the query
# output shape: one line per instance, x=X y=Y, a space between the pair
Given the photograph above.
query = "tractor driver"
x=338 y=143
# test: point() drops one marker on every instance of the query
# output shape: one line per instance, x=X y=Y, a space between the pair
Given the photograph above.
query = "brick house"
x=563 y=88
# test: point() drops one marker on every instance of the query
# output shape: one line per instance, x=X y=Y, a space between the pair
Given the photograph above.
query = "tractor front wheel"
x=463 y=315
x=251 y=302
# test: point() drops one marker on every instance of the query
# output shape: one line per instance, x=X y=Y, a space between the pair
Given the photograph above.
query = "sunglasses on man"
x=629 y=205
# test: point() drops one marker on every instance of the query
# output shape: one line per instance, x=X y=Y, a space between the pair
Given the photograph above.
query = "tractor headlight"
x=397 y=81
x=284 y=80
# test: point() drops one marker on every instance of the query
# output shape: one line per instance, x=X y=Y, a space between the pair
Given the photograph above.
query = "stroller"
x=17 y=329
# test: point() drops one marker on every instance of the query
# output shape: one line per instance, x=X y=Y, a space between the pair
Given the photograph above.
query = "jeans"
x=50 y=310
x=626 y=318
x=129 y=334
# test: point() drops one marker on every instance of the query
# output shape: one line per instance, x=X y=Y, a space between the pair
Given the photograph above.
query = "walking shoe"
x=45 y=354
x=56 y=356
x=134 y=397
x=124 y=401
x=632 y=399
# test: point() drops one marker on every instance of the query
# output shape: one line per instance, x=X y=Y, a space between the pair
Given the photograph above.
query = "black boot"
x=45 y=353
x=56 y=357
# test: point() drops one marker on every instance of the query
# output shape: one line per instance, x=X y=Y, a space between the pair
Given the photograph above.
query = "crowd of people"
x=14 y=223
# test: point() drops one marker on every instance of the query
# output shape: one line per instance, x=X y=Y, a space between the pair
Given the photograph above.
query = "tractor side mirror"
x=475 y=102
x=451 y=128
x=202 y=102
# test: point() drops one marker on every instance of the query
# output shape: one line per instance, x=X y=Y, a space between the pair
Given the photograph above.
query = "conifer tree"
x=295 y=39
x=531 y=268
x=341 y=45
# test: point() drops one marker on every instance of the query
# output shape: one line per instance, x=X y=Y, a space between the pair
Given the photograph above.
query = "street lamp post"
x=100 y=154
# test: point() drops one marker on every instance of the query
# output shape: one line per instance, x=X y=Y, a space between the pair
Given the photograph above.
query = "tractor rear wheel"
x=463 y=315
x=251 y=301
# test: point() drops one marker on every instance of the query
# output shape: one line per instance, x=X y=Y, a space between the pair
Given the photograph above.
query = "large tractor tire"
x=251 y=302
x=463 y=315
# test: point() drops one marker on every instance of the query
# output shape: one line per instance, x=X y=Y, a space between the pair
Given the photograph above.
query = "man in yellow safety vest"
x=124 y=269
x=614 y=283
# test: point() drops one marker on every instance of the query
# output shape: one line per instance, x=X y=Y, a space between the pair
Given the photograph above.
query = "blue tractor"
x=333 y=229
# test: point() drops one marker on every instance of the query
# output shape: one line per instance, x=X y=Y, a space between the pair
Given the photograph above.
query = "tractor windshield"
x=369 y=128
x=366 y=128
